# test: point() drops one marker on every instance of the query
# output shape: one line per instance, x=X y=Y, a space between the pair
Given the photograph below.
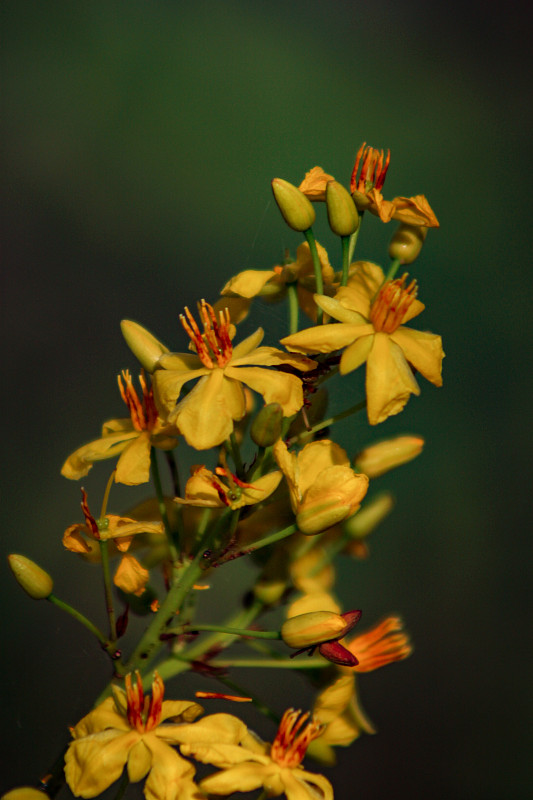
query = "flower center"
x=373 y=170
x=143 y=414
x=392 y=303
x=144 y=713
x=213 y=346
x=293 y=738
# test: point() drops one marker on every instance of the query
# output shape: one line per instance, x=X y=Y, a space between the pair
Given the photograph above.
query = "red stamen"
x=220 y=696
x=373 y=170
x=290 y=744
x=89 y=519
x=392 y=303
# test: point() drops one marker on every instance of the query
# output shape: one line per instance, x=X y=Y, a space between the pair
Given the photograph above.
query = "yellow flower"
x=133 y=731
x=275 y=767
x=132 y=437
x=366 y=192
x=131 y=577
x=323 y=488
x=314 y=184
x=206 y=415
x=271 y=284
x=371 y=314
x=205 y=488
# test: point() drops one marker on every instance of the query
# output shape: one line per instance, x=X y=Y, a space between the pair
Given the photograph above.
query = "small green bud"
x=34 y=580
x=147 y=349
x=313 y=628
x=266 y=427
x=342 y=214
x=407 y=242
x=296 y=208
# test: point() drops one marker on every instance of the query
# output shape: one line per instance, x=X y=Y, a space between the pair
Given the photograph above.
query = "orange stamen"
x=392 y=303
x=380 y=646
x=143 y=414
x=144 y=714
x=220 y=696
x=214 y=344
x=373 y=170
x=293 y=738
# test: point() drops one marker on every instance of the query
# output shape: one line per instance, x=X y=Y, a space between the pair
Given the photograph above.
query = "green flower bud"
x=369 y=516
x=266 y=427
x=34 y=580
x=295 y=207
x=142 y=344
x=342 y=214
x=315 y=627
x=407 y=242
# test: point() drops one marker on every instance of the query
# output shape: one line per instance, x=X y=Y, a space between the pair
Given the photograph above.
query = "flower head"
x=371 y=327
x=130 y=438
x=131 y=577
x=366 y=191
x=138 y=732
x=206 y=415
x=321 y=630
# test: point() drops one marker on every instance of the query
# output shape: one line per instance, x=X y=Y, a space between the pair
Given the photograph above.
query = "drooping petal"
x=95 y=762
x=205 y=416
x=130 y=576
x=422 y=350
x=356 y=354
x=275 y=387
x=302 y=785
x=74 y=541
x=169 y=383
x=389 y=380
x=414 y=211
x=248 y=283
x=80 y=462
x=133 y=466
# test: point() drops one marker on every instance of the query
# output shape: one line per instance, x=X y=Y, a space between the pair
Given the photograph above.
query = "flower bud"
x=407 y=242
x=321 y=515
x=370 y=516
x=24 y=793
x=384 y=456
x=342 y=214
x=34 y=580
x=313 y=628
x=266 y=427
x=142 y=344
x=295 y=207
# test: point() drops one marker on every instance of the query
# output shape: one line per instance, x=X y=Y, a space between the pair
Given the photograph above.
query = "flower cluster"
x=271 y=482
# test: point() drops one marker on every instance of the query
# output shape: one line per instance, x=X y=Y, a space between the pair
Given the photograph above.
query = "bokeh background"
x=139 y=140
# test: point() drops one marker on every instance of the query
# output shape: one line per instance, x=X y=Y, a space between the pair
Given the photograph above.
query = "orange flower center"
x=374 y=168
x=143 y=413
x=392 y=303
x=293 y=738
x=213 y=346
x=144 y=713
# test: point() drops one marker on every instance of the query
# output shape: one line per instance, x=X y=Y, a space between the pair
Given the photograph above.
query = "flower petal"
x=133 y=466
x=389 y=380
x=248 y=283
x=248 y=345
x=356 y=354
x=241 y=778
x=104 y=716
x=130 y=576
x=422 y=350
x=414 y=211
x=171 y=777
x=80 y=462
x=169 y=383
x=95 y=762
x=302 y=785
x=275 y=387
x=272 y=357
x=74 y=541
x=325 y=338
x=339 y=312
x=318 y=456
x=205 y=416
x=364 y=283
x=215 y=728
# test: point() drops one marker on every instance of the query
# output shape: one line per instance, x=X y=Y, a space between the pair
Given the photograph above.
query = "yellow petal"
x=215 y=728
x=334 y=699
x=133 y=466
x=74 y=541
x=248 y=283
x=272 y=357
x=317 y=601
x=356 y=354
x=335 y=309
x=171 y=777
x=139 y=761
x=414 y=211
x=80 y=462
x=180 y=711
x=130 y=576
x=180 y=361
x=260 y=489
x=248 y=345
x=389 y=380
x=122 y=425
x=336 y=485
x=238 y=307
x=300 y=785
x=104 y=716
x=205 y=416
x=318 y=456
x=275 y=387
x=422 y=350
x=94 y=763
x=304 y=264
x=242 y=778
x=169 y=383
x=314 y=184
x=325 y=338
x=364 y=283
x=200 y=490
x=124 y=526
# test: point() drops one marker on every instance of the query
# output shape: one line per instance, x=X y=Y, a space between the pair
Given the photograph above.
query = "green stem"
x=236 y=455
x=234 y=631
x=327 y=422
x=345 y=241
x=393 y=269
x=80 y=618
x=161 y=504
x=274 y=537
x=174 y=472
x=274 y=663
x=309 y=235
x=292 y=296
x=104 y=551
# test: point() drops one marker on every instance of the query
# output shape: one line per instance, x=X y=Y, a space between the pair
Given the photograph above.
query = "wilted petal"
x=303 y=785
x=80 y=462
x=74 y=541
x=130 y=576
x=389 y=380
x=414 y=211
x=314 y=184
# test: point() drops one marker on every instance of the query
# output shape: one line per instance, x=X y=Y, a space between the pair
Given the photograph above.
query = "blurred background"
x=139 y=141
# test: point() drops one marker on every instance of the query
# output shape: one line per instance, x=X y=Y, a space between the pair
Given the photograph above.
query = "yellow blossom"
x=131 y=437
x=140 y=733
x=271 y=284
x=222 y=488
x=379 y=458
x=323 y=488
x=131 y=577
x=314 y=184
x=275 y=767
x=205 y=416
x=366 y=192
x=371 y=316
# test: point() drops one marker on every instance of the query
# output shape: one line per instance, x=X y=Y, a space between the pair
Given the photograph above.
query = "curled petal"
x=248 y=283
x=80 y=462
x=74 y=541
x=130 y=576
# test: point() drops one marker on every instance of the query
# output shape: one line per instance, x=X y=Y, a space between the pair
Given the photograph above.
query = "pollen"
x=374 y=168
x=294 y=736
x=392 y=303
x=213 y=346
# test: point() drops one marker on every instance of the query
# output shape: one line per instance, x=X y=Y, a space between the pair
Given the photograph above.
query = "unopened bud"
x=34 y=580
x=24 y=793
x=266 y=427
x=296 y=208
x=343 y=216
x=320 y=515
x=313 y=628
x=143 y=344
x=384 y=456
x=407 y=242
x=369 y=516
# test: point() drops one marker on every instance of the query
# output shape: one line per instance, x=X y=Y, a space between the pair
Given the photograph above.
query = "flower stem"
x=292 y=296
x=161 y=504
x=309 y=235
x=274 y=663
x=345 y=241
x=104 y=552
x=354 y=237
x=80 y=618
x=327 y=422
x=274 y=537
x=393 y=269
x=236 y=455
x=259 y=704
x=234 y=631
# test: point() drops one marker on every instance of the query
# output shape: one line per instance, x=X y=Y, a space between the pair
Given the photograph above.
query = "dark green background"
x=139 y=142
